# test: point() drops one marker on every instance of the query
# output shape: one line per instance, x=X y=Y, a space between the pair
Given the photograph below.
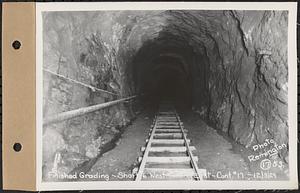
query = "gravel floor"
x=220 y=156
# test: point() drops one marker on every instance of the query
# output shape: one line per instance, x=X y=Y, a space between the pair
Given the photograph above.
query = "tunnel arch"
x=174 y=46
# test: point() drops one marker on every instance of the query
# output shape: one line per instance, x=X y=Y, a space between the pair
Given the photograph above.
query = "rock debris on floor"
x=222 y=158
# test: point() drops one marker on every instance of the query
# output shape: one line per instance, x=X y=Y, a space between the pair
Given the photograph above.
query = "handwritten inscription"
x=265 y=150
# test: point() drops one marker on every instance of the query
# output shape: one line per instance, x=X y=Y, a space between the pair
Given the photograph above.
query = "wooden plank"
x=166 y=117
x=178 y=165
x=168 y=123
x=162 y=114
x=167 y=120
x=169 y=141
x=168 y=149
x=165 y=145
x=170 y=159
x=168 y=154
x=169 y=130
x=168 y=126
x=168 y=135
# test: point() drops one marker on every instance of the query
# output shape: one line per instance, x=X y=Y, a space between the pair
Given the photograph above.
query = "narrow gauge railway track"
x=168 y=153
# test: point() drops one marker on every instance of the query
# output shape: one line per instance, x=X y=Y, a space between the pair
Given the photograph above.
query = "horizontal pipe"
x=81 y=111
x=80 y=83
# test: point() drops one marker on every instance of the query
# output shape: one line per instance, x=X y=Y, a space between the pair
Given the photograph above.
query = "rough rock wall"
x=248 y=84
x=237 y=61
x=77 y=47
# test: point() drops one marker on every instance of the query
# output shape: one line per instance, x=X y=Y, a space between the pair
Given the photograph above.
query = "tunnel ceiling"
x=180 y=35
x=176 y=32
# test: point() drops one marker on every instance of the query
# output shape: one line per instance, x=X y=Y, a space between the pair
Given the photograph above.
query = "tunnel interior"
x=167 y=68
x=166 y=80
x=228 y=66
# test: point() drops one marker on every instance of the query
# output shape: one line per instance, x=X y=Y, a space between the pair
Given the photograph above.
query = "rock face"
x=231 y=66
x=249 y=101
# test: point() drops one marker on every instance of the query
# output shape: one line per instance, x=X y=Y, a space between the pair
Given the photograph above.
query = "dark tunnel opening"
x=168 y=80
x=169 y=68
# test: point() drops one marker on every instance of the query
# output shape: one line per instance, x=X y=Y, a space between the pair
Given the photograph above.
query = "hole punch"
x=17 y=147
x=16 y=44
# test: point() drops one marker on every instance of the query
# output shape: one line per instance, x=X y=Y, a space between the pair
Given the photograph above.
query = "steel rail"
x=139 y=175
x=80 y=83
x=81 y=111
x=194 y=164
